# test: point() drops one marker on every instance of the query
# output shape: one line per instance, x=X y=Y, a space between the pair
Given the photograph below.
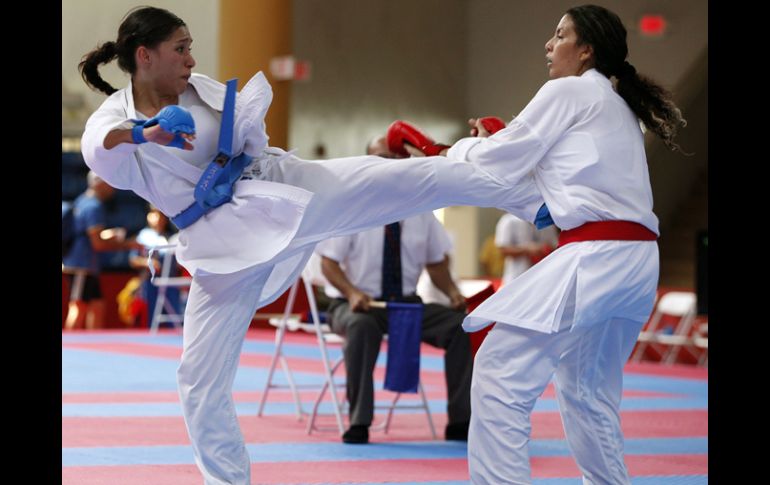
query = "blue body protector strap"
x=215 y=187
x=543 y=218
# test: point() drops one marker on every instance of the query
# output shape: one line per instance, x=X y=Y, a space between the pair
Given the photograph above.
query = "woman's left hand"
x=157 y=134
x=415 y=152
x=477 y=128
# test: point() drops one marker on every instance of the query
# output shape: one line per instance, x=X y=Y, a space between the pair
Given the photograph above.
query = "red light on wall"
x=302 y=70
x=652 y=25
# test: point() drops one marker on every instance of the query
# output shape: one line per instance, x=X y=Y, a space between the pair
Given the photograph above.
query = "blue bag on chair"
x=402 y=373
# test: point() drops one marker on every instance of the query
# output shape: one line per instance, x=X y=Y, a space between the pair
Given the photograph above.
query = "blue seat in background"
x=73 y=175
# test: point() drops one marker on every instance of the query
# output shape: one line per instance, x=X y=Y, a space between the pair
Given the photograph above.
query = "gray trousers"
x=363 y=332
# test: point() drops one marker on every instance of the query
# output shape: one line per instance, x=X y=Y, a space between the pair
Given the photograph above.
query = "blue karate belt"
x=215 y=187
x=402 y=373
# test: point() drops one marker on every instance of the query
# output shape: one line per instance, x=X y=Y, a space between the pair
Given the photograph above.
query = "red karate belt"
x=607 y=231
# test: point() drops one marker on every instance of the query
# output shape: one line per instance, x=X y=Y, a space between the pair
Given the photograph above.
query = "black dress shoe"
x=358 y=434
x=457 y=431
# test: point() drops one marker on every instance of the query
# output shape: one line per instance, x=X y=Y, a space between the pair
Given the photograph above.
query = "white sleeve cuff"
x=459 y=151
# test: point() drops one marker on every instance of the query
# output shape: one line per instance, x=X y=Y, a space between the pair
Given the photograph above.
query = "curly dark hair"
x=604 y=31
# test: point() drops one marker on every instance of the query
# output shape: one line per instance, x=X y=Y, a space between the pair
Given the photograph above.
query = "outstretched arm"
x=154 y=134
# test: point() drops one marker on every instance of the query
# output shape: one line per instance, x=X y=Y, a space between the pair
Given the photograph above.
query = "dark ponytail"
x=147 y=26
x=89 y=67
x=650 y=102
x=653 y=105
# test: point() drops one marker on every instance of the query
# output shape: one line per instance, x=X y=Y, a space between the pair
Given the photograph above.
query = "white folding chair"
x=389 y=408
x=681 y=339
x=290 y=321
x=163 y=282
x=675 y=303
x=701 y=340
x=325 y=337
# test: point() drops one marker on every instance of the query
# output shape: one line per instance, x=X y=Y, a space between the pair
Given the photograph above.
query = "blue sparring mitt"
x=173 y=119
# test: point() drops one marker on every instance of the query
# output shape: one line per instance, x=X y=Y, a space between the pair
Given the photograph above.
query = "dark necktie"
x=391 y=263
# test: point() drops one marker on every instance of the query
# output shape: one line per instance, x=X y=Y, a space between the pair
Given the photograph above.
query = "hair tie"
x=627 y=70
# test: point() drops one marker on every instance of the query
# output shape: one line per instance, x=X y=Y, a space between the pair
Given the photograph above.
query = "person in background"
x=384 y=264
x=158 y=232
x=492 y=261
x=522 y=244
x=81 y=263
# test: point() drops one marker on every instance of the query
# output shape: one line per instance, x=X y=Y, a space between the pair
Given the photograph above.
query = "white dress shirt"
x=423 y=241
x=512 y=231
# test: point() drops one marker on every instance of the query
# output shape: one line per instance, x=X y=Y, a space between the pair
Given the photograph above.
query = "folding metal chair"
x=679 y=304
x=325 y=338
x=701 y=340
x=163 y=282
x=390 y=408
x=681 y=339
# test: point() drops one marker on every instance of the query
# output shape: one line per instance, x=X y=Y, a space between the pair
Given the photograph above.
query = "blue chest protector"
x=215 y=186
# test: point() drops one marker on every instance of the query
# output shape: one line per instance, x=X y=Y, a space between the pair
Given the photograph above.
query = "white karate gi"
x=577 y=313
x=244 y=254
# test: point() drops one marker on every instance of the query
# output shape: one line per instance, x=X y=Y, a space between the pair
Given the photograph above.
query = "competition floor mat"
x=122 y=422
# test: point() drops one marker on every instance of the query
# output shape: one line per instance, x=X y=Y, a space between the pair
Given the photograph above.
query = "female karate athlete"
x=576 y=315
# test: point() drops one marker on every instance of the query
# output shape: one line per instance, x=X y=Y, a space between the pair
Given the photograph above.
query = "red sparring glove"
x=492 y=124
x=401 y=132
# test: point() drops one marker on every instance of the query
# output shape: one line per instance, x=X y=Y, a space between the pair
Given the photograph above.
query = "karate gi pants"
x=512 y=369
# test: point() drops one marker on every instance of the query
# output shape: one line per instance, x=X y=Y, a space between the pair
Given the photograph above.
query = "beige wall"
x=507 y=46
x=374 y=62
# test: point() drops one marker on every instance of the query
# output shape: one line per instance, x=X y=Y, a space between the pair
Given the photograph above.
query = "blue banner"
x=402 y=373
